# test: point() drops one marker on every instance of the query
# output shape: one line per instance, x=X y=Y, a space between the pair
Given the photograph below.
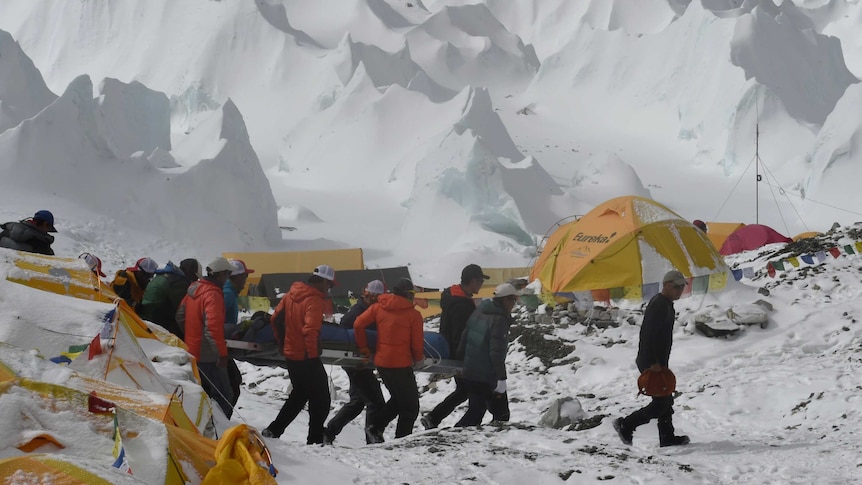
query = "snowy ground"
x=773 y=405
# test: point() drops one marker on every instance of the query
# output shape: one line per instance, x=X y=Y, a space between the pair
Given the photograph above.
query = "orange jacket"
x=400 y=340
x=202 y=311
x=300 y=312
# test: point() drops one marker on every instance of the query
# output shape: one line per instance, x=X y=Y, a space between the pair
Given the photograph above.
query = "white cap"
x=376 y=287
x=147 y=265
x=220 y=264
x=240 y=267
x=325 y=272
x=505 y=289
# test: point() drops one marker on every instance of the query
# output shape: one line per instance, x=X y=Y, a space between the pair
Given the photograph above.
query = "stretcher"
x=338 y=347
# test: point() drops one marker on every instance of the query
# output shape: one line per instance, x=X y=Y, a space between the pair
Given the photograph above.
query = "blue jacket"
x=231 y=305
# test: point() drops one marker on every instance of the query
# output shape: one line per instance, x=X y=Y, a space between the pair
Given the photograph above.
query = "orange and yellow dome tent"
x=626 y=242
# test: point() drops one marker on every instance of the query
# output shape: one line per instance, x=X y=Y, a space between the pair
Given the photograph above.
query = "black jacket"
x=350 y=317
x=656 y=333
x=484 y=344
x=24 y=236
x=456 y=308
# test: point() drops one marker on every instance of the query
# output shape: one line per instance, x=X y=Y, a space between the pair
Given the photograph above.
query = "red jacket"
x=298 y=318
x=203 y=315
x=400 y=340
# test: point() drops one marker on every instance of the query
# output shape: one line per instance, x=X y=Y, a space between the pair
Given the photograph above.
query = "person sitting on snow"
x=30 y=235
x=130 y=283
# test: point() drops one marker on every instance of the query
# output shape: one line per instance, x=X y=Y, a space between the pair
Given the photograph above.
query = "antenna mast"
x=757 y=171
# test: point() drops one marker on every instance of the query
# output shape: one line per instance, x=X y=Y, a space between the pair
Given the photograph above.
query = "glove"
x=501 y=387
x=366 y=355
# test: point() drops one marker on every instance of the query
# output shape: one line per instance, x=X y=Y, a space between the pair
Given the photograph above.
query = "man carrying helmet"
x=364 y=387
x=130 y=283
x=656 y=339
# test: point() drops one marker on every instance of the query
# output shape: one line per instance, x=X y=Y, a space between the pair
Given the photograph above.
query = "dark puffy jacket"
x=163 y=296
x=656 y=335
x=24 y=236
x=456 y=308
x=350 y=317
x=484 y=344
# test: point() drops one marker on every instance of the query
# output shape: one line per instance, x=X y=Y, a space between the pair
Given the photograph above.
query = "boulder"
x=563 y=412
x=748 y=314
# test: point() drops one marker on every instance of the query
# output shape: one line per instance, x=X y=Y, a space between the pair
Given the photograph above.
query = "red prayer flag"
x=95 y=347
x=835 y=252
x=770 y=270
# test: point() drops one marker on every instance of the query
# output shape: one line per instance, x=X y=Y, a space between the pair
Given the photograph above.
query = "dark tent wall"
x=348 y=281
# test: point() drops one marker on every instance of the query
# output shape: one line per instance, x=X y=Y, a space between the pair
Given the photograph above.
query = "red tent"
x=750 y=237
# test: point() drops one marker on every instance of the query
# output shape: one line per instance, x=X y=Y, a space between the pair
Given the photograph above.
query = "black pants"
x=214 y=380
x=660 y=408
x=364 y=393
x=403 y=403
x=234 y=377
x=310 y=385
x=483 y=398
x=447 y=405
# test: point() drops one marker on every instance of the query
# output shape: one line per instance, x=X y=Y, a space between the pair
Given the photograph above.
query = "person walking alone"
x=656 y=339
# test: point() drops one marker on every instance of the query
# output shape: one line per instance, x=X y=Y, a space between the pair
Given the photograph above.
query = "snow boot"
x=674 y=441
x=623 y=432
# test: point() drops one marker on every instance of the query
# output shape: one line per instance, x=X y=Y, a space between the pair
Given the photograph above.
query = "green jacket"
x=162 y=298
x=484 y=343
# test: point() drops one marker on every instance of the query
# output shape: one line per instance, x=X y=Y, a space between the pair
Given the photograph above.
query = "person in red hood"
x=201 y=318
x=400 y=344
x=296 y=322
x=457 y=305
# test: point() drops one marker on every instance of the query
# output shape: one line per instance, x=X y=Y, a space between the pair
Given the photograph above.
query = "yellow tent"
x=806 y=235
x=717 y=232
x=59 y=470
x=625 y=243
x=297 y=261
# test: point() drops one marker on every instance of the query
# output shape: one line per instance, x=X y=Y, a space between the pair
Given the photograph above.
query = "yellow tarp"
x=46 y=469
x=63 y=276
x=297 y=261
x=624 y=242
x=237 y=457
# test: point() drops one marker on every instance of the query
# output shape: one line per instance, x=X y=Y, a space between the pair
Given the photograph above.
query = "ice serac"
x=779 y=47
x=386 y=68
x=64 y=150
x=239 y=199
x=133 y=117
x=477 y=191
x=835 y=160
x=463 y=45
x=23 y=92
